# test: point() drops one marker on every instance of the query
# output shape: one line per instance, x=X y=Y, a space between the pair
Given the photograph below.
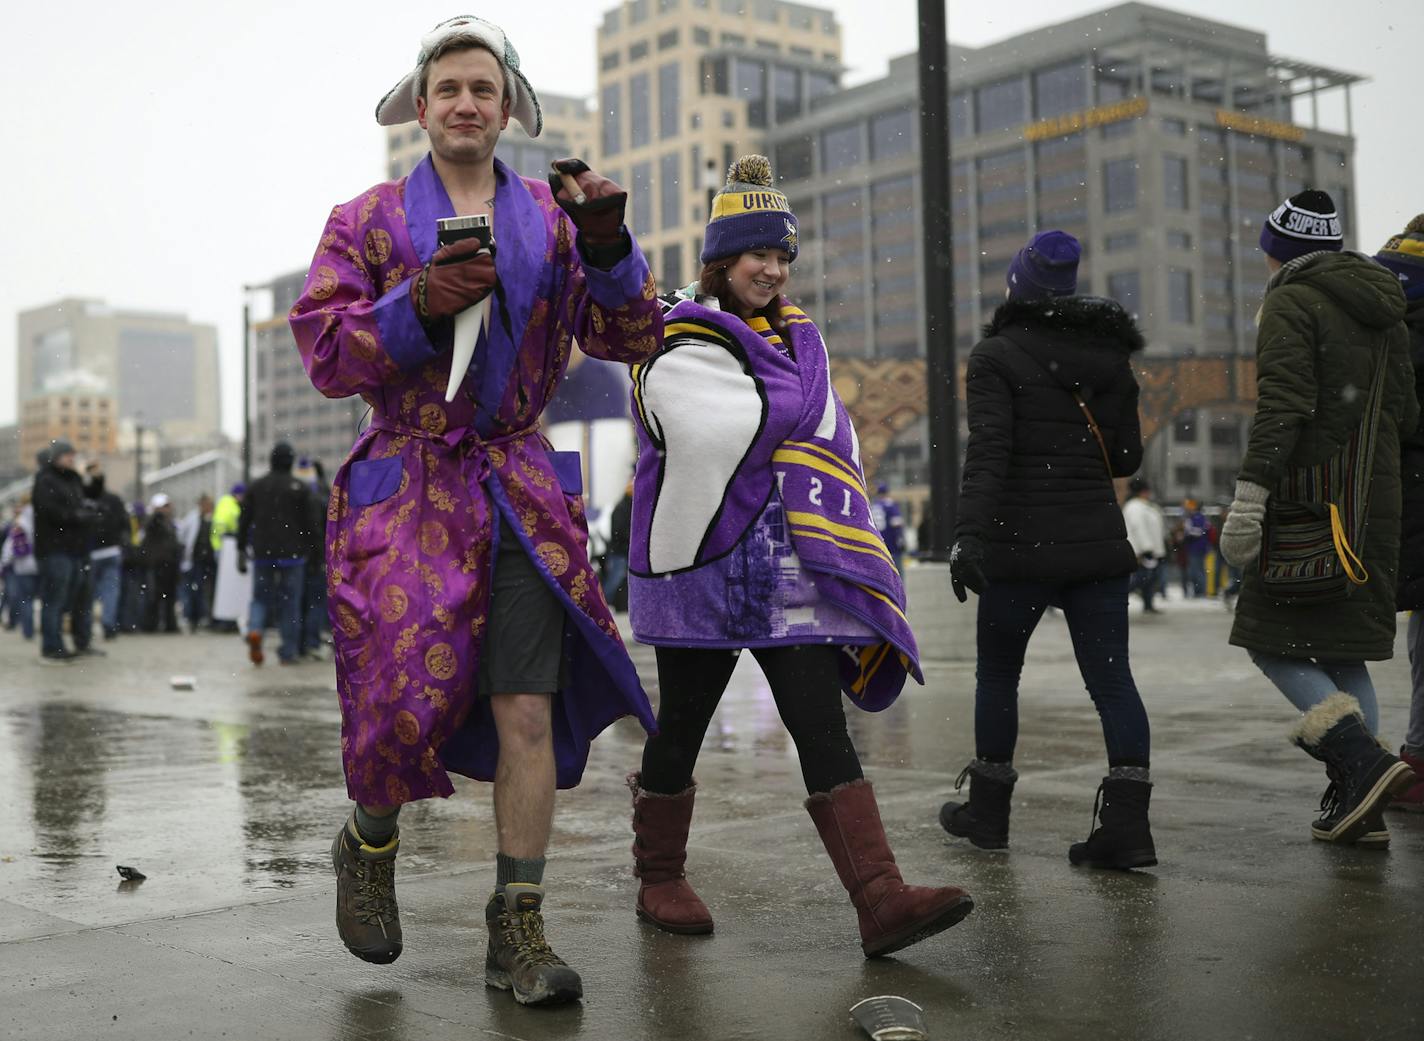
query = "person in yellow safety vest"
x=226 y=515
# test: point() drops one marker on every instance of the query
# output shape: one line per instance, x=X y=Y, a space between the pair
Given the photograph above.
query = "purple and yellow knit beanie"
x=1404 y=255
x=748 y=213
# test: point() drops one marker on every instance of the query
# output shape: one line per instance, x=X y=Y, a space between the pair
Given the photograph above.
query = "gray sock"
x=376 y=831
x=995 y=771
x=1130 y=773
x=516 y=869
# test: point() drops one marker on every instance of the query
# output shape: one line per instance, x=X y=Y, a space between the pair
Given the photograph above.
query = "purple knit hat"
x=1046 y=267
x=748 y=213
x=1304 y=223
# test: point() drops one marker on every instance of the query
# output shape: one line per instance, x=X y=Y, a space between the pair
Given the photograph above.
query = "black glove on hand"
x=242 y=562
x=599 y=218
x=966 y=567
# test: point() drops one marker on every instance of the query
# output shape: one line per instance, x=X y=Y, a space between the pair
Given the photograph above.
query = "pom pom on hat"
x=748 y=213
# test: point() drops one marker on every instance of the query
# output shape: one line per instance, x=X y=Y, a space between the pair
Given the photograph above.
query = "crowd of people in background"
x=77 y=561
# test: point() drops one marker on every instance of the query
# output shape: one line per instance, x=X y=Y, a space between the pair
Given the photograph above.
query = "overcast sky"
x=160 y=154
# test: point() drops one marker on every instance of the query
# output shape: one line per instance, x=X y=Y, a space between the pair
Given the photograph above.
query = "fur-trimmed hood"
x=1093 y=318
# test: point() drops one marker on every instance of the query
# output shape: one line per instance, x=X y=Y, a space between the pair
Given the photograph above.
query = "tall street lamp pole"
x=938 y=247
x=247 y=385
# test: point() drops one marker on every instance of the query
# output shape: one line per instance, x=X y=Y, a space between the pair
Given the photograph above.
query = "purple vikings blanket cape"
x=411 y=526
x=801 y=448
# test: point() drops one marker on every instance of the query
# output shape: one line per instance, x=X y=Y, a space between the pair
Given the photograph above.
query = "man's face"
x=65 y=461
x=464 y=107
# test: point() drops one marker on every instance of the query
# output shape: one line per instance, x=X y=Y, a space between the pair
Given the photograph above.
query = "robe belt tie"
x=473 y=448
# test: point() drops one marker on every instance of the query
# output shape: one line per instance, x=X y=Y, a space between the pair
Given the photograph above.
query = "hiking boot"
x=1375 y=835
x=984 y=819
x=254 y=647
x=660 y=826
x=1365 y=773
x=1412 y=798
x=367 y=917
x=519 y=957
x=892 y=915
x=1123 y=839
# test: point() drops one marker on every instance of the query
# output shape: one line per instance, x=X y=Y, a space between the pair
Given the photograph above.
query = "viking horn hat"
x=398 y=106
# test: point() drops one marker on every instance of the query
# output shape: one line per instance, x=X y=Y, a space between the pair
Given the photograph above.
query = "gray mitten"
x=1240 y=541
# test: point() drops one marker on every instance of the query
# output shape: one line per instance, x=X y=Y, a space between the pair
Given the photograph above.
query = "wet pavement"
x=227 y=795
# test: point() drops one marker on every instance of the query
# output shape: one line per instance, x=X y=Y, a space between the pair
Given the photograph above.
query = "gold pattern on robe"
x=347 y=621
x=532 y=474
x=378 y=246
x=323 y=282
x=363 y=345
x=441 y=498
x=435 y=696
x=394 y=277
x=405 y=641
x=407 y=727
x=579 y=590
x=432 y=418
x=368 y=207
x=433 y=538
x=394 y=603
x=440 y=661
x=397 y=790
x=599 y=323
x=554 y=556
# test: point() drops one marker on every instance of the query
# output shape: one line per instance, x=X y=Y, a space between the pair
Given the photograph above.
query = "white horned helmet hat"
x=398 y=106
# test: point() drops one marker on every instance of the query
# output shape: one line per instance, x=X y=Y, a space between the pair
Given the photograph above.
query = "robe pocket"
x=374 y=480
x=568 y=470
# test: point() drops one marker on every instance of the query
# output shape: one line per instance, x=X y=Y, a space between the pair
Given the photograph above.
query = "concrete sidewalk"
x=227 y=797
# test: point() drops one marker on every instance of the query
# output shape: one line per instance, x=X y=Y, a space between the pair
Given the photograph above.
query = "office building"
x=1159 y=139
x=684 y=87
x=84 y=360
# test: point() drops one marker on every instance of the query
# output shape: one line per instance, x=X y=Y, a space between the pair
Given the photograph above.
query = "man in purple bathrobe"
x=471 y=634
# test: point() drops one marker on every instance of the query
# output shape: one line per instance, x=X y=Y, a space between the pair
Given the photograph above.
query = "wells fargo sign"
x=1243 y=123
x=1059 y=126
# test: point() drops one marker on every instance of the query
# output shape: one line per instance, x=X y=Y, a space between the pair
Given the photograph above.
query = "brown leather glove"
x=458 y=276
x=599 y=218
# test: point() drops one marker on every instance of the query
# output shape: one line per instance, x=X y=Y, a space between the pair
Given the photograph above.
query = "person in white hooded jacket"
x=1147 y=533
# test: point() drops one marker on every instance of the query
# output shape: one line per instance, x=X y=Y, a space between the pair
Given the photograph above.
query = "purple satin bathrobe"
x=410 y=526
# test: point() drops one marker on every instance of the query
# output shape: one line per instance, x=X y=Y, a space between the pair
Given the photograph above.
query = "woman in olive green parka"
x=1328 y=320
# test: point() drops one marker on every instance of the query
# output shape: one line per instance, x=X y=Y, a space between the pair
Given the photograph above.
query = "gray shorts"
x=523 y=650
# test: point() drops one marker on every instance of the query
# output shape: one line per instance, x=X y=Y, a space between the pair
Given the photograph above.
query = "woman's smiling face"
x=757 y=277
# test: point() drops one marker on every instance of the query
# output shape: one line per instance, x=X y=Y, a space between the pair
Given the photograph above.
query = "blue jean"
x=106 y=577
x=1196 y=573
x=314 y=619
x=614 y=572
x=1306 y=682
x=59 y=581
x=278 y=591
x=1096 y=613
x=20 y=597
x=1414 y=739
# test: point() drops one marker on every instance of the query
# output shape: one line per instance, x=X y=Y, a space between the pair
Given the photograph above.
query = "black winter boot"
x=984 y=819
x=1123 y=838
x=1375 y=836
x=1365 y=773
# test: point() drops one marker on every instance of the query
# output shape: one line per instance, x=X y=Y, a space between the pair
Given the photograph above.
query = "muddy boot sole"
x=563 y=988
x=948 y=916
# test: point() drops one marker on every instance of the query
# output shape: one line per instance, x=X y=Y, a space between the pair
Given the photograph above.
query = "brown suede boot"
x=660 y=827
x=892 y=914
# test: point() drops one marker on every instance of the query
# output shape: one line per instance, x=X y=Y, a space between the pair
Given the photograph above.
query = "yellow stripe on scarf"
x=852 y=474
x=845 y=531
x=806 y=533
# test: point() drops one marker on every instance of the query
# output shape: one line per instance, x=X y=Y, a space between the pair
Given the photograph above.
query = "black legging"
x=804 y=680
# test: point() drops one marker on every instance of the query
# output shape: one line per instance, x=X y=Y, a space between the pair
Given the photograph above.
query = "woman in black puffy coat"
x=1052 y=406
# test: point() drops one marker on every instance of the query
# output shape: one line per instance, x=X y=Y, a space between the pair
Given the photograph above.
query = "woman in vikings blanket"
x=752 y=529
